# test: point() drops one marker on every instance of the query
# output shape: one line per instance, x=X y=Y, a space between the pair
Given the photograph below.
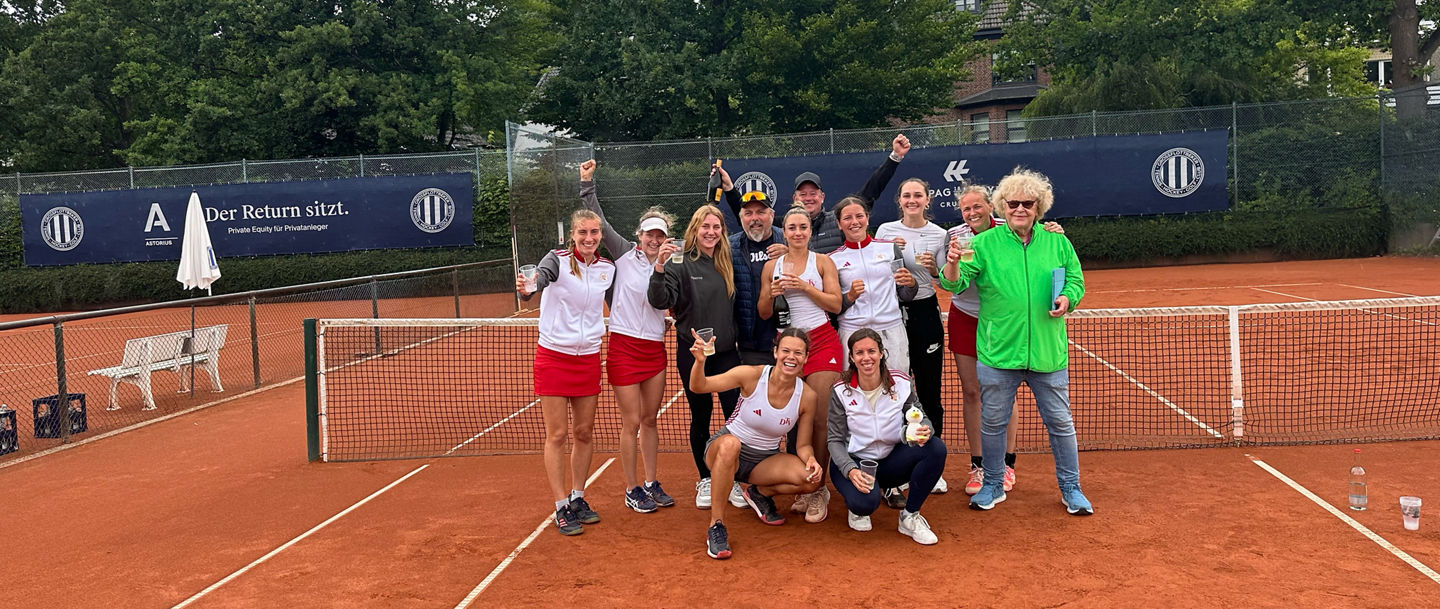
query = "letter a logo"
x=156 y=218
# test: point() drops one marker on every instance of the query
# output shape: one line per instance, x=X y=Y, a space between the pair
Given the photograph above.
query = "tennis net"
x=1295 y=373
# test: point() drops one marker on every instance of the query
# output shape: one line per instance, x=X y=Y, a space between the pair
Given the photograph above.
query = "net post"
x=312 y=394
x=62 y=397
x=1237 y=393
x=375 y=310
x=455 y=286
x=254 y=344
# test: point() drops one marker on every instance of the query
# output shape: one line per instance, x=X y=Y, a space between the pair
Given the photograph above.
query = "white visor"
x=653 y=223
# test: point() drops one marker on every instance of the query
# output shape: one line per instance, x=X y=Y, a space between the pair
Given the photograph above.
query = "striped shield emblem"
x=62 y=229
x=1177 y=172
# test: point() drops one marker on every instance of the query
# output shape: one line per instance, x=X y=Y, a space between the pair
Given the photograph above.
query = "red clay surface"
x=153 y=516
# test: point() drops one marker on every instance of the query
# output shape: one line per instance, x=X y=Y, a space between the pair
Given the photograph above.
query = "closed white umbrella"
x=198 y=268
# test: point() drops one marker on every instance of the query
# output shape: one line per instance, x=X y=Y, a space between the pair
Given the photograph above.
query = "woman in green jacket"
x=1021 y=335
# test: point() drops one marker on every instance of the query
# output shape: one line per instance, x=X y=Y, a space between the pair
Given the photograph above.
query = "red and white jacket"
x=572 y=309
x=869 y=261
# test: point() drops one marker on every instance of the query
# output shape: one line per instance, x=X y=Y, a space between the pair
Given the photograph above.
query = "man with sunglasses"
x=1021 y=336
x=751 y=246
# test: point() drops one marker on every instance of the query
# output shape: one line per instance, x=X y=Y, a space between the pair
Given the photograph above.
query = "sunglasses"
x=753 y=195
x=1018 y=204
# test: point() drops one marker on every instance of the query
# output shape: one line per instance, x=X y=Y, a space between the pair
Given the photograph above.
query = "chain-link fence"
x=544 y=187
x=132 y=365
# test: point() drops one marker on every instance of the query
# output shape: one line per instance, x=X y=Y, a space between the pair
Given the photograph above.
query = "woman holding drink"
x=964 y=316
x=867 y=424
x=636 y=360
x=572 y=283
x=700 y=293
x=747 y=448
x=924 y=242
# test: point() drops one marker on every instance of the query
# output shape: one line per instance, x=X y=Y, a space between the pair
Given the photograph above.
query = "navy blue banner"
x=1092 y=176
x=255 y=219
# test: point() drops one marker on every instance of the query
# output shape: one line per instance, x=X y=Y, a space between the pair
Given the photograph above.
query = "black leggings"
x=927 y=355
x=701 y=405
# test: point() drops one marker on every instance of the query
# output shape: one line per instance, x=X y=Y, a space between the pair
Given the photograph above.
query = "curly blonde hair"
x=1023 y=184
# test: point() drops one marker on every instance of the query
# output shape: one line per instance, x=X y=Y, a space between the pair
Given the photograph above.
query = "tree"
x=1414 y=39
x=1128 y=54
x=645 y=69
x=112 y=82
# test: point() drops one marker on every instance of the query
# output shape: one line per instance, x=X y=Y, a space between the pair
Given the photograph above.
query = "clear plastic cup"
x=867 y=469
x=528 y=272
x=678 y=255
x=1410 y=510
x=707 y=336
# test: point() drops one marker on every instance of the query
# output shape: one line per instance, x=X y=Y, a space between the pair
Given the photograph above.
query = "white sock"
x=649 y=483
x=577 y=494
x=561 y=504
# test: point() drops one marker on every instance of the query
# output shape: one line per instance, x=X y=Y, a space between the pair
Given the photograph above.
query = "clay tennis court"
x=219 y=508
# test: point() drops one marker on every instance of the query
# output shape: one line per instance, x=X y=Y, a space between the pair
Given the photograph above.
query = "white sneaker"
x=802 y=503
x=702 y=494
x=918 y=529
x=737 y=496
x=819 y=506
x=940 y=487
x=857 y=522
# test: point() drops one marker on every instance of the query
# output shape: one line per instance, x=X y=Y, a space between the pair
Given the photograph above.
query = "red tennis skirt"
x=961 y=329
x=826 y=354
x=569 y=376
x=632 y=360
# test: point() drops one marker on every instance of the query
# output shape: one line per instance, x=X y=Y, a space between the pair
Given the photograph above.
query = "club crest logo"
x=1177 y=172
x=432 y=210
x=62 y=229
x=752 y=181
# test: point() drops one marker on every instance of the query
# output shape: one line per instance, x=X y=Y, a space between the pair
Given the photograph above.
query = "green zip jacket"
x=1013 y=279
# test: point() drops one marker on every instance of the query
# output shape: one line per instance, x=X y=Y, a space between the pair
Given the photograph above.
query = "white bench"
x=172 y=352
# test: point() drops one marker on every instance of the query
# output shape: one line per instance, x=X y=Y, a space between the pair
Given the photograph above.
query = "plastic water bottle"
x=1357 y=484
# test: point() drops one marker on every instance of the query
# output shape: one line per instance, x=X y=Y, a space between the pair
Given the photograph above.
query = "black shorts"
x=749 y=456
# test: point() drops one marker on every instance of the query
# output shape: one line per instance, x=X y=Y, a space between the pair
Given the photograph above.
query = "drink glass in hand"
x=707 y=337
x=528 y=272
x=867 y=469
x=678 y=255
x=966 y=254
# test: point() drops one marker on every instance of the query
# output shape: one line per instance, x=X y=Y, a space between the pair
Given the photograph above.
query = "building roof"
x=992 y=18
x=1018 y=93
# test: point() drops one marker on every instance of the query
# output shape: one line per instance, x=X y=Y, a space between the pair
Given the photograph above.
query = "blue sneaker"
x=638 y=500
x=989 y=495
x=658 y=494
x=1075 y=501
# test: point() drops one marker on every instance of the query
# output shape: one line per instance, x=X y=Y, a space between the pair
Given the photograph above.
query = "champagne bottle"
x=782 y=312
x=717 y=188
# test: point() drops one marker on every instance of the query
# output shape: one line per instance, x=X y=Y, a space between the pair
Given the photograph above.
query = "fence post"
x=959 y=131
x=1235 y=143
x=244 y=172
x=362 y=164
x=132 y=176
x=1094 y=128
x=17 y=184
x=832 y=140
x=254 y=344
x=1380 y=106
x=62 y=393
x=710 y=149
x=455 y=285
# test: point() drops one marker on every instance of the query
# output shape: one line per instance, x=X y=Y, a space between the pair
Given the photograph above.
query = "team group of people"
x=818 y=338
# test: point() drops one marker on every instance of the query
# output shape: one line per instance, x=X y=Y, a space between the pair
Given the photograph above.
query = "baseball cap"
x=654 y=223
x=756 y=196
x=808 y=177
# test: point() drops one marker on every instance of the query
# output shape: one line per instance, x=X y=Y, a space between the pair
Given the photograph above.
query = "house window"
x=1014 y=126
x=980 y=128
x=1378 y=71
x=968 y=5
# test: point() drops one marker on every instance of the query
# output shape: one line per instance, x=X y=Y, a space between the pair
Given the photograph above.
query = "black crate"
x=8 y=437
x=47 y=417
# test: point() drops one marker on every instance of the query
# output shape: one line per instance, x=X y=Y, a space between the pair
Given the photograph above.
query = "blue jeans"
x=920 y=466
x=1052 y=396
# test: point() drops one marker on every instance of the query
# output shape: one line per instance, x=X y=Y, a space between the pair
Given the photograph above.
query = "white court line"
x=1375 y=290
x=1284 y=294
x=1218 y=287
x=296 y=540
x=500 y=568
x=488 y=429
x=1189 y=417
x=1362 y=309
x=1419 y=566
